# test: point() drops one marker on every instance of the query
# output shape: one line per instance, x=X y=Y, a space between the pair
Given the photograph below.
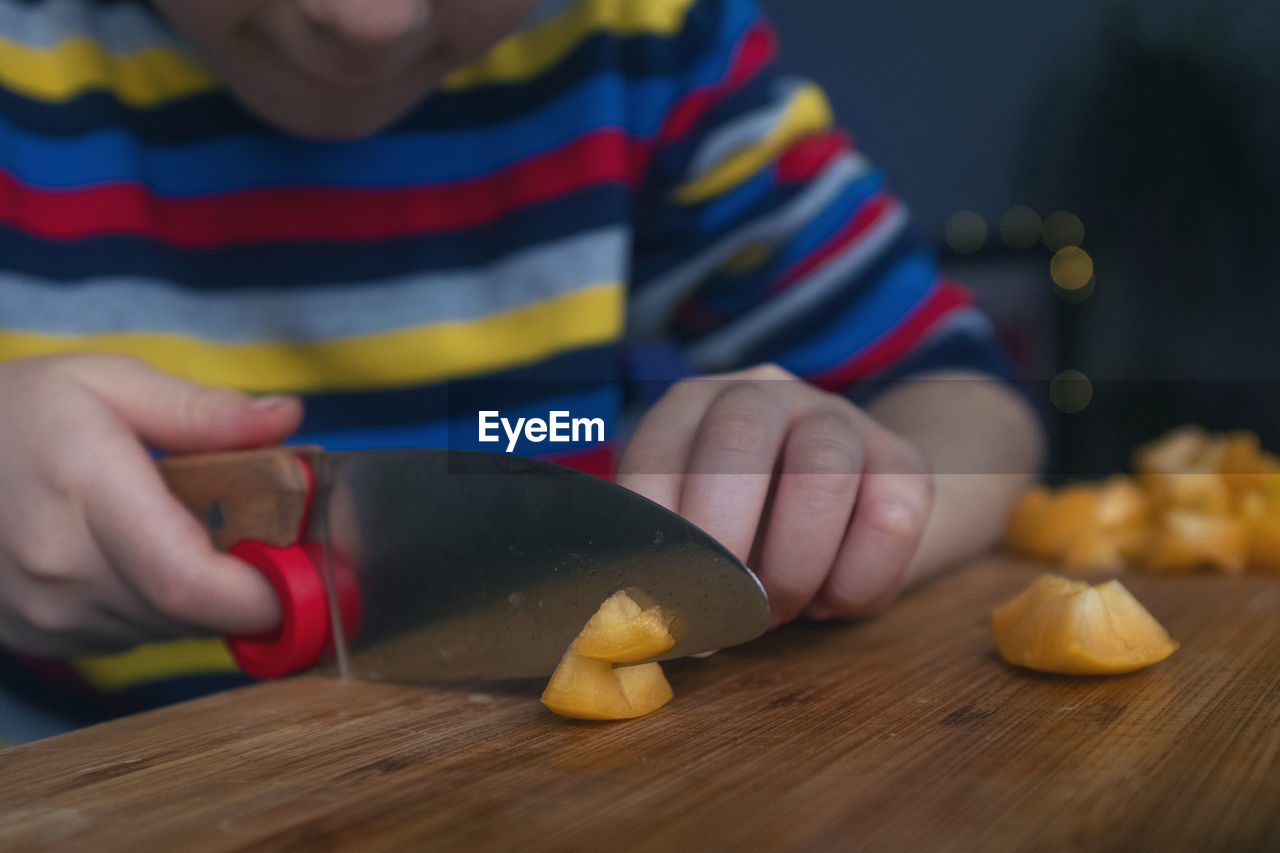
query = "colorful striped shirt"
x=621 y=193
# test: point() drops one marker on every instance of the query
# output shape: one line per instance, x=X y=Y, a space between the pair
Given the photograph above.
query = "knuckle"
x=821 y=490
x=736 y=433
x=46 y=373
x=107 y=361
x=767 y=370
x=684 y=387
x=202 y=407
x=36 y=386
x=44 y=558
x=685 y=395
x=824 y=480
x=830 y=421
x=901 y=514
x=825 y=443
x=738 y=420
x=72 y=476
x=195 y=406
x=87 y=369
x=745 y=394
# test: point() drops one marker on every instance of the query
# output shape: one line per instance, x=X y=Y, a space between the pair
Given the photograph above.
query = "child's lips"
x=362 y=71
x=353 y=77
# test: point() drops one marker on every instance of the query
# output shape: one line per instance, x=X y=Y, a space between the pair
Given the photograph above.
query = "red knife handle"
x=254 y=504
x=300 y=638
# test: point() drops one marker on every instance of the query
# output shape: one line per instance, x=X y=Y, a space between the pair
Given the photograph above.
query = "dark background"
x=1156 y=124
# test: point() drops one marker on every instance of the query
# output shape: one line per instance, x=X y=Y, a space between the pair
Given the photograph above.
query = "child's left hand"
x=822 y=502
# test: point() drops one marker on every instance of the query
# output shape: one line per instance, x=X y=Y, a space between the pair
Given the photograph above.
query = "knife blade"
x=429 y=565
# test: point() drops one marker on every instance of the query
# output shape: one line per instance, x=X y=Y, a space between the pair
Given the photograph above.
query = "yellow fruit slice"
x=1084 y=526
x=1245 y=467
x=1062 y=626
x=1185 y=541
x=1124 y=514
x=1022 y=530
x=592 y=687
x=1182 y=450
x=1044 y=524
x=645 y=687
x=1191 y=491
x=1094 y=548
x=586 y=689
x=1121 y=503
x=621 y=632
x=1197 y=501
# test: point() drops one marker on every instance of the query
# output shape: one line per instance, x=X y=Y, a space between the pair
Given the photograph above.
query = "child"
x=211 y=209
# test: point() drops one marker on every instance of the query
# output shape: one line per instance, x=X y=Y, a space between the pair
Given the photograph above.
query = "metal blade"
x=483 y=565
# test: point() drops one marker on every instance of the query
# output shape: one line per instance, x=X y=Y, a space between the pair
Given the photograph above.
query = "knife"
x=424 y=565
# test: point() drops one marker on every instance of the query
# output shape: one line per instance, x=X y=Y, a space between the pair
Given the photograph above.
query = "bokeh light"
x=1071 y=268
x=1062 y=229
x=1080 y=294
x=965 y=232
x=1020 y=227
x=1070 y=392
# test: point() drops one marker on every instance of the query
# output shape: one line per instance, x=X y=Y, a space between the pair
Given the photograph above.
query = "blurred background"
x=1104 y=174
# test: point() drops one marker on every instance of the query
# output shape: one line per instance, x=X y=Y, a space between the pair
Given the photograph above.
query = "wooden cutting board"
x=906 y=733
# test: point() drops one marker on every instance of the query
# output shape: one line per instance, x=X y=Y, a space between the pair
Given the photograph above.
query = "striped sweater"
x=623 y=190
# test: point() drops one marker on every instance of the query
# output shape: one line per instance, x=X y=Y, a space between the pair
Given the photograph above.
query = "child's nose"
x=368 y=22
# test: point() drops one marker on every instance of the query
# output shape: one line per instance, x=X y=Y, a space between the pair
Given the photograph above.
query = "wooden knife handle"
x=260 y=495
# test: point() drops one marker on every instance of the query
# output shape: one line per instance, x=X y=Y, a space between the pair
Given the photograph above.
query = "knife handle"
x=259 y=495
x=254 y=504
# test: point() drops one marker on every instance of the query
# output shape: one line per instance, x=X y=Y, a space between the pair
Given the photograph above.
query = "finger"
x=813 y=501
x=731 y=464
x=185 y=416
x=104 y=597
x=87 y=580
x=124 y=603
x=156 y=547
x=64 y=585
x=54 y=621
x=657 y=456
x=138 y=633
x=895 y=496
x=658 y=453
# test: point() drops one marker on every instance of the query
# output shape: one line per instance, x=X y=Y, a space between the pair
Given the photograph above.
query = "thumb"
x=183 y=416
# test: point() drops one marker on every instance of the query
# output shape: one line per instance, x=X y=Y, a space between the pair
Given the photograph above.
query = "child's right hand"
x=95 y=554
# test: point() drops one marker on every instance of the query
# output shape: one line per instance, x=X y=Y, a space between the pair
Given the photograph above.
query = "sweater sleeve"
x=763 y=235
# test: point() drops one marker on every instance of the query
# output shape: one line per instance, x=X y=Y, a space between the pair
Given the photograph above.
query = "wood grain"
x=906 y=733
x=258 y=495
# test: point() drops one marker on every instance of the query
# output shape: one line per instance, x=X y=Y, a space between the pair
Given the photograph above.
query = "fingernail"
x=273 y=402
